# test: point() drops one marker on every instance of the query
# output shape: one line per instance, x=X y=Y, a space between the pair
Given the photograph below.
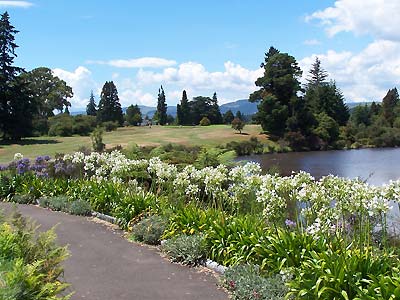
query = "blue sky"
x=206 y=46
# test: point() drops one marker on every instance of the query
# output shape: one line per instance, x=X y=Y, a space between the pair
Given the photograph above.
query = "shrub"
x=57 y=203
x=205 y=122
x=80 y=207
x=246 y=282
x=84 y=125
x=133 y=205
x=149 y=230
x=110 y=125
x=30 y=262
x=97 y=139
x=61 y=125
x=238 y=124
x=187 y=249
x=22 y=199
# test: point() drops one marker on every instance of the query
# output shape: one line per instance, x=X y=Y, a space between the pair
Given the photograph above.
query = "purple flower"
x=290 y=223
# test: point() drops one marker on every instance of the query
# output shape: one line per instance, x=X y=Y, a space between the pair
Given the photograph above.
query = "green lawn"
x=144 y=136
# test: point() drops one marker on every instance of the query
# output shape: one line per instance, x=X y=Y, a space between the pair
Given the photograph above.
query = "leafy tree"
x=109 y=105
x=278 y=92
x=16 y=105
x=183 y=111
x=161 y=114
x=228 y=117
x=361 y=115
x=134 y=115
x=91 y=109
x=204 y=107
x=327 y=130
x=238 y=124
x=49 y=92
x=389 y=103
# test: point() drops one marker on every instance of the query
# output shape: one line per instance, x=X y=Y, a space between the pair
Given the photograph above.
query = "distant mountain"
x=245 y=107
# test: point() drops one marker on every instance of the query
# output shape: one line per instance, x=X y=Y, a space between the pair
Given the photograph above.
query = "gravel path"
x=105 y=266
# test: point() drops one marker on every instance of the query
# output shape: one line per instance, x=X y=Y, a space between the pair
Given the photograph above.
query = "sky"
x=205 y=46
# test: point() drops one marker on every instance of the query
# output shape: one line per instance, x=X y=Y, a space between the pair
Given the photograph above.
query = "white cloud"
x=129 y=96
x=363 y=76
x=10 y=3
x=81 y=82
x=143 y=62
x=233 y=83
x=376 y=17
x=312 y=42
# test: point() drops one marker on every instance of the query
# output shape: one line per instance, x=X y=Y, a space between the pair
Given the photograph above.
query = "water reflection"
x=377 y=166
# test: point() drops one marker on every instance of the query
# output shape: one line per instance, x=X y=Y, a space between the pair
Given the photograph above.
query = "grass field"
x=144 y=136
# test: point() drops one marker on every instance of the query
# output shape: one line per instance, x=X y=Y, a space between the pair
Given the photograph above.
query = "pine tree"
x=239 y=115
x=317 y=75
x=109 y=105
x=161 y=113
x=389 y=102
x=91 y=107
x=228 y=117
x=278 y=92
x=183 y=111
x=214 y=113
x=16 y=107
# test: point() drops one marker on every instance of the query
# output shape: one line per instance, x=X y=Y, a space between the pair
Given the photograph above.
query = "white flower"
x=18 y=156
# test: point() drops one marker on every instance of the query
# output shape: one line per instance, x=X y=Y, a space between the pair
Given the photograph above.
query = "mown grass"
x=144 y=136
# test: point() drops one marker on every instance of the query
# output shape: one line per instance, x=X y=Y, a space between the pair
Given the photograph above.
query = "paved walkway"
x=105 y=266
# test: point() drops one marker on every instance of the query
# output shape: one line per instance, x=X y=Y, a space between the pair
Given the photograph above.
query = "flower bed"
x=310 y=229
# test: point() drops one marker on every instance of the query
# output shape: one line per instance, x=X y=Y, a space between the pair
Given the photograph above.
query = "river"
x=377 y=166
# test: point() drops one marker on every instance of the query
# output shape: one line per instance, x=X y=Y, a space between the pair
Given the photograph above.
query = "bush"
x=246 y=282
x=205 y=122
x=110 y=125
x=149 y=230
x=80 y=208
x=187 y=249
x=84 y=125
x=57 y=203
x=22 y=199
x=253 y=146
x=61 y=125
x=30 y=262
x=97 y=139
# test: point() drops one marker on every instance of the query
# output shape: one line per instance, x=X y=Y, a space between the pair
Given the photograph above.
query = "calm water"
x=377 y=166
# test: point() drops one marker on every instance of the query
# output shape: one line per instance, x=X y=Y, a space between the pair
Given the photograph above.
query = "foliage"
x=228 y=117
x=201 y=107
x=16 y=107
x=60 y=125
x=205 y=122
x=238 y=125
x=57 y=203
x=278 y=92
x=80 y=208
x=132 y=206
x=109 y=108
x=109 y=125
x=22 y=199
x=49 y=92
x=30 y=262
x=253 y=146
x=97 y=140
x=161 y=113
x=186 y=249
x=246 y=282
x=91 y=109
x=133 y=115
x=149 y=230
x=183 y=111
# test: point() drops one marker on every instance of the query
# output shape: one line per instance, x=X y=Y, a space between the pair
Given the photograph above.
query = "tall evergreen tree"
x=389 y=102
x=317 y=75
x=278 y=92
x=239 y=115
x=109 y=105
x=161 y=114
x=91 y=107
x=214 y=113
x=183 y=110
x=16 y=104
